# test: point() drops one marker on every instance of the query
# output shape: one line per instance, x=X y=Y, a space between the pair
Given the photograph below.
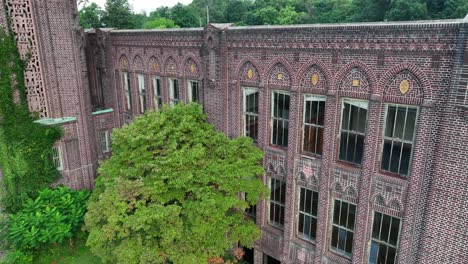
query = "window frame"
x=141 y=81
x=57 y=157
x=282 y=206
x=172 y=88
x=413 y=142
x=397 y=247
x=320 y=98
x=340 y=130
x=190 y=91
x=250 y=114
x=298 y=234
x=338 y=251
x=126 y=84
x=106 y=142
x=157 y=92
x=272 y=118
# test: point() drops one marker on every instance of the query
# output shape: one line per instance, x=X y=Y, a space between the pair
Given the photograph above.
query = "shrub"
x=56 y=214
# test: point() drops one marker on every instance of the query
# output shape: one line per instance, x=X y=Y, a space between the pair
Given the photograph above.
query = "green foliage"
x=27 y=168
x=404 y=10
x=160 y=22
x=90 y=16
x=170 y=191
x=118 y=14
x=56 y=214
x=17 y=257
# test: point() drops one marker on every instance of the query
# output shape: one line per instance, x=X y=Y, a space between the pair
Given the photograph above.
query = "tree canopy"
x=280 y=12
x=170 y=193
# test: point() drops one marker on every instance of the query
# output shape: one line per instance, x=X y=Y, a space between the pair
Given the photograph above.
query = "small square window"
x=193 y=91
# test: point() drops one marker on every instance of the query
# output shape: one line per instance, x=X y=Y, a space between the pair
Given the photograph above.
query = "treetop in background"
x=118 y=13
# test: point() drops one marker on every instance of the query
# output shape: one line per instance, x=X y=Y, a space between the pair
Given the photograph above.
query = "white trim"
x=104 y=135
x=57 y=158
x=142 y=91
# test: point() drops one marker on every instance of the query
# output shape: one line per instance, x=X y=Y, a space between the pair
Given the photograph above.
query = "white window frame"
x=397 y=247
x=57 y=158
x=248 y=91
x=190 y=91
x=339 y=226
x=104 y=140
x=127 y=92
x=312 y=98
x=141 y=91
x=271 y=201
x=272 y=118
x=361 y=104
x=412 y=142
x=157 y=93
x=299 y=212
x=172 y=98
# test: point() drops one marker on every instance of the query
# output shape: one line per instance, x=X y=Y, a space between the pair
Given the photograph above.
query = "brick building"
x=364 y=126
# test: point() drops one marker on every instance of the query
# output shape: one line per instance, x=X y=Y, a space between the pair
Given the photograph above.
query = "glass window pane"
x=277 y=214
x=341 y=238
x=345 y=116
x=307 y=112
x=382 y=254
x=336 y=212
x=301 y=223
x=283 y=193
x=373 y=253
x=386 y=154
x=385 y=229
x=405 y=159
x=315 y=204
x=394 y=232
x=362 y=120
x=391 y=112
x=351 y=216
x=314 y=114
x=334 y=238
x=313 y=228
x=343 y=145
x=376 y=225
x=307 y=224
x=274 y=138
x=349 y=242
x=395 y=158
x=353 y=118
x=351 y=148
x=301 y=200
x=343 y=213
x=281 y=215
x=272 y=211
x=359 y=149
x=308 y=208
x=391 y=254
x=410 y=124
x=400 y=123
x=319 y=145
x=321 y=113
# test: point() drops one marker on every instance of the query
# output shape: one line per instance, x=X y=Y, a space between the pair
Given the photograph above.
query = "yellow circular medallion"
x=315 y=79
x=404 y=86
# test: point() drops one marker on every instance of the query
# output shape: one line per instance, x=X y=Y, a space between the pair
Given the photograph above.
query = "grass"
x=76 y=253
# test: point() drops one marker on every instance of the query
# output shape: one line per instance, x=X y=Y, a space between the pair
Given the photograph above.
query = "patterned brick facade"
x=421 y=64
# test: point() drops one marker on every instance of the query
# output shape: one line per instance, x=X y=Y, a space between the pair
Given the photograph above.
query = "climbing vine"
x=25 y=146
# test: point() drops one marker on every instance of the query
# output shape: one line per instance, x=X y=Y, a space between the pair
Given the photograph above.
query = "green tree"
x=90 y=16
x=170 y=191
x=117 y=14
x=160 y=22
x=405 y=10
x=184 y=16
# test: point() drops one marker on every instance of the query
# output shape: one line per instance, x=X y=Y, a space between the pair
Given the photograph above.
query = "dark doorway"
x=269 y=260
x=248 y=255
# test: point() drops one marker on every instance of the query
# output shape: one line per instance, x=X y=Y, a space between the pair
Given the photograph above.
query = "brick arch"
x=337 y=187
x=171 y=66
x=123 y=63
x=270 y=168
x=351 y=192
x=365 y=70
x=138 y=63
x=301 y=176
x=153 y=64
x=187 y=61
x=281 y=171
x=273 y=67
x=243 y=67
x=415 y=96
x=395 y=204
x=304 y=72
x=378 y=200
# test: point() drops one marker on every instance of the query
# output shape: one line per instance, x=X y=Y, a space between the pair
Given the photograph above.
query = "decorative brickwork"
x=419 y=64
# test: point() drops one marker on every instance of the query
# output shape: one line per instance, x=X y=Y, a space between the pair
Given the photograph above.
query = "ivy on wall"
x=25 y=146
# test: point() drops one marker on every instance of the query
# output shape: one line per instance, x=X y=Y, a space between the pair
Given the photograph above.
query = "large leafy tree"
x=170 y=193
x=118 y=14
x=90 y=16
